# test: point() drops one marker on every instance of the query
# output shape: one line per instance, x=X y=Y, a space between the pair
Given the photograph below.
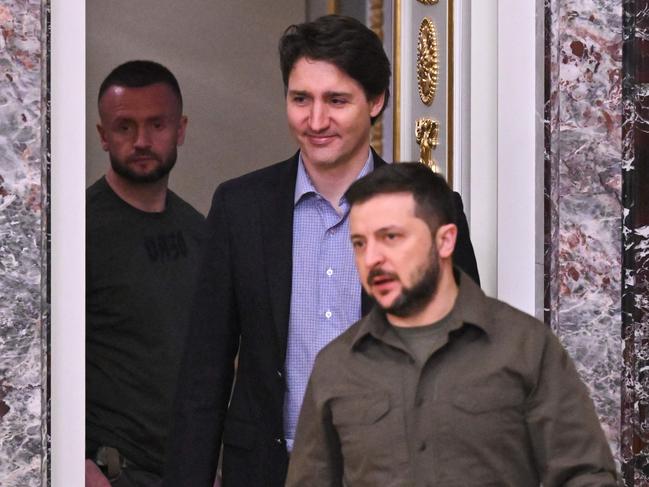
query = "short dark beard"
x=414 y=299
x=160 y=172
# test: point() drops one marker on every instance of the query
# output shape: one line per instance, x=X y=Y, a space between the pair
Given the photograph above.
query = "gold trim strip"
x=449 y=89
x=333 y=6
x=396 y=79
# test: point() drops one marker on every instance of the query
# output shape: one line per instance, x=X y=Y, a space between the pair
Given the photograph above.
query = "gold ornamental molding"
x=428 y=2
x=427 y=136
x=427 y=61
x=333 y=6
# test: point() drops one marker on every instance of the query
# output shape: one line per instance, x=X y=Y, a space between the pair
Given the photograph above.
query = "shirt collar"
x=471 y=307
x=304 y=185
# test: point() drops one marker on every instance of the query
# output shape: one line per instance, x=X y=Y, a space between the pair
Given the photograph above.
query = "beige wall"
x=224 y=55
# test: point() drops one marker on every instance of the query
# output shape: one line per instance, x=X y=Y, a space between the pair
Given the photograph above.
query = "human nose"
x=142 y=138
x=318 y=117
x=373 y=255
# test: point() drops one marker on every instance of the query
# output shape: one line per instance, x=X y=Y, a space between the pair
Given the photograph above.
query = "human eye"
x=391 y=236
x=123 y=126
x=357 y=244
x=298 y=99
x=338 y=101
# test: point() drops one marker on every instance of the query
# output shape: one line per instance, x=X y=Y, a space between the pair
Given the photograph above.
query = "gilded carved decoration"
x=428 y=2
x=427 y=61
x=427 y=136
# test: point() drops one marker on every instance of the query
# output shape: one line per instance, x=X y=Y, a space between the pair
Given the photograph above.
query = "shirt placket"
x=329 y=312
x=399 y=371
x=409 y=379
x=423 y=424
x=429 y=422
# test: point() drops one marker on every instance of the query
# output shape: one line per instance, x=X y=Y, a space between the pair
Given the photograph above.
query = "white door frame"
x=506 y=154
x=502 y=188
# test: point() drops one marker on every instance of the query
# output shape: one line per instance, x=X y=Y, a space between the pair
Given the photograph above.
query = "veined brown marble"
x=23 y=253
x=584 y=194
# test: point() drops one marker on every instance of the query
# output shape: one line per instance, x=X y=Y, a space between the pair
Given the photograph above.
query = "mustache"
x=378 y=272
x=144 y=153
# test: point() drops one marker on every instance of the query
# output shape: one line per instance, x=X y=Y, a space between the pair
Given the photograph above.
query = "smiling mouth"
x=319 y=139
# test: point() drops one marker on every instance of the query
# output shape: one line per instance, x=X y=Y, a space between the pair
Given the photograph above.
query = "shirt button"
x=330 y=272
x=279 y=373
x=328 y=314
x=331 y=233
x=422 y=446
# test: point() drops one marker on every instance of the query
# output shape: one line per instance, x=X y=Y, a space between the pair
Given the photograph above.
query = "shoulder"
x=504 y=313
x=103 y=206
x=457 y=199
x=266 y=177
x=500 y=320
x=185 y=209
x=517 y=329
x=97 y=191
x=271 y=188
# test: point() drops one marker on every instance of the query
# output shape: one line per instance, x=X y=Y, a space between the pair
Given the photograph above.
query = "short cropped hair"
x=137 y=74
x=346 y=43
x=434 y=200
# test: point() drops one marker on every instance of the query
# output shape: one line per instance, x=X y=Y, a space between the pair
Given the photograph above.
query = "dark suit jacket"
x=243 y=304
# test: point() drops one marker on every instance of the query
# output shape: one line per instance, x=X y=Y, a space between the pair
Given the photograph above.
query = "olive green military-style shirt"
x=498 y=402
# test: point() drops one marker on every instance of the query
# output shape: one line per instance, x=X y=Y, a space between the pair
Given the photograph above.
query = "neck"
x=333 y=180
x=439 y=306
x=149 y=197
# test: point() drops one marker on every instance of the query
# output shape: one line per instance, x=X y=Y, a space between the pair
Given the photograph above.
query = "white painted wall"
x=68 y=242
x=506 y=165
x=518 y=156
x=483 y=215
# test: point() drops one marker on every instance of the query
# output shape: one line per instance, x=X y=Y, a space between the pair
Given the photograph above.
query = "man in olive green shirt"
x=439 y=384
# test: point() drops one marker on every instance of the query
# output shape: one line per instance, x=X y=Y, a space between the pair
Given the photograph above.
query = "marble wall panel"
x=635 y=397
x=23 y=256
x=583 y=201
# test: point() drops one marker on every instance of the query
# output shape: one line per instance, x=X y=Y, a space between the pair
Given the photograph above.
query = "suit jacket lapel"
x=277 y=234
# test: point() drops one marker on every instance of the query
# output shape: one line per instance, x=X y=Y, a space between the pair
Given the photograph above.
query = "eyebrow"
x=388 y=228
x=327 y=94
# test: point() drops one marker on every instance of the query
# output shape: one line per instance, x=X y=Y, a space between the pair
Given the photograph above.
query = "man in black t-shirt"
x=142 y=249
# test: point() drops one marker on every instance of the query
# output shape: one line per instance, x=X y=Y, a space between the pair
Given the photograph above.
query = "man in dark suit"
x=278 y=280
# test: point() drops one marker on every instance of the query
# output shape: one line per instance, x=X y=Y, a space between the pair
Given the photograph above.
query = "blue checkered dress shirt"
x=326 y=291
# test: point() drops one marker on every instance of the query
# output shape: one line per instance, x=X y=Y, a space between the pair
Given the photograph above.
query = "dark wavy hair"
x=434 y=201
x=345 y=42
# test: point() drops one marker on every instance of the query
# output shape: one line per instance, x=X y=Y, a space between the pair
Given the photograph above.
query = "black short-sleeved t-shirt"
x=140 y=278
